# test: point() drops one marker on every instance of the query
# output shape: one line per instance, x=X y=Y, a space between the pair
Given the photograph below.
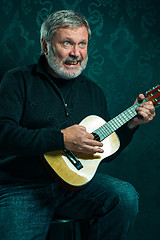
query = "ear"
x=44 y=46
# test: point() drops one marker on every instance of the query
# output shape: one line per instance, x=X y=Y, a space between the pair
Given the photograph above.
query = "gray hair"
x=62 y=19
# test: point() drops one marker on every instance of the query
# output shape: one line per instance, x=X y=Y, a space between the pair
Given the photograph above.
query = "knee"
x=123 y=199
x=115 y=196
x=127 y=198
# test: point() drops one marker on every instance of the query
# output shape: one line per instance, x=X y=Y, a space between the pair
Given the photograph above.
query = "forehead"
x=75 y=34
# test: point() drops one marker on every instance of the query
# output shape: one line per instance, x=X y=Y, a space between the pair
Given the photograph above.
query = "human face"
x=67 y=53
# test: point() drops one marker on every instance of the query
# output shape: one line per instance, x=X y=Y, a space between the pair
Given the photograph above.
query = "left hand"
x=145 y=113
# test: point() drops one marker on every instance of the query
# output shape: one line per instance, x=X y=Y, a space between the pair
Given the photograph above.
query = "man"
x=41 y=107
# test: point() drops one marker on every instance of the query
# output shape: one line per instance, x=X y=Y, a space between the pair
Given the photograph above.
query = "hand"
x=145 y=113
x=77 y=139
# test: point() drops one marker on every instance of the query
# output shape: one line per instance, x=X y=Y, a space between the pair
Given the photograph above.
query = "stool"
x=69 y=229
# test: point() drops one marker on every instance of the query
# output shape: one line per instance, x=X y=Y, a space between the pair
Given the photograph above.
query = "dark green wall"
x=124 y=58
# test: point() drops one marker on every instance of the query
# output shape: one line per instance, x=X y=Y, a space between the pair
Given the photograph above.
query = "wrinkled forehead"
x=71 y=32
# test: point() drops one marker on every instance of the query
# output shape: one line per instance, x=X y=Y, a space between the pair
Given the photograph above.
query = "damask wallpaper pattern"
x=124 y=59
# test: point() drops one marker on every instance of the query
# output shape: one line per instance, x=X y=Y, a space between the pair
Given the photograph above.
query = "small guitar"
x=75 y=170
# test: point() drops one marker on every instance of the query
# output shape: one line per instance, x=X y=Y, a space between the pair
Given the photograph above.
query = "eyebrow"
x=71 y=40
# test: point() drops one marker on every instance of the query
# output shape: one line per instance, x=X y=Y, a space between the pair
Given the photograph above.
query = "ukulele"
x=75 y=170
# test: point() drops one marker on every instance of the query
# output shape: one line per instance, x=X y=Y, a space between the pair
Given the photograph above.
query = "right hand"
x=77 y=139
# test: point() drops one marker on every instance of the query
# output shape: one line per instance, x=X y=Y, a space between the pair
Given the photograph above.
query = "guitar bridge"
x=73 y=159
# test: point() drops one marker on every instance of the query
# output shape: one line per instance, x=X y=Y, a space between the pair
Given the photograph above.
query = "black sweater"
x=32 y=114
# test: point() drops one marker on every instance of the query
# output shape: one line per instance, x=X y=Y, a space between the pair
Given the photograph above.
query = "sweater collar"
x=41 y=65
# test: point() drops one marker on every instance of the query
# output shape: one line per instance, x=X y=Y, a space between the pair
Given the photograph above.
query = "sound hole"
x=96 y=137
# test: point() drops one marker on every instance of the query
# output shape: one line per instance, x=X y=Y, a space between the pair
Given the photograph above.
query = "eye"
x=82 y=44
x=66 y=44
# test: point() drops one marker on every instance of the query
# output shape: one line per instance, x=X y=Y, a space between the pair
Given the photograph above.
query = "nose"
x=75 y=51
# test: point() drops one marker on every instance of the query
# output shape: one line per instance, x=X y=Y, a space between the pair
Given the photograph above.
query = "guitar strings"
x=108 y=128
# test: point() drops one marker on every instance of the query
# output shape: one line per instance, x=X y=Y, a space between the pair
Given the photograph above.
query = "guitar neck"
x=118 y=121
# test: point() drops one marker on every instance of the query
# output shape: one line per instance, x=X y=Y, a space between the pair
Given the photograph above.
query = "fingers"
x=87 y=144
x=77 y=139
x=147 y=109
x=91 y=150
x=91 y=146
x=139 y=98
x=146 y=112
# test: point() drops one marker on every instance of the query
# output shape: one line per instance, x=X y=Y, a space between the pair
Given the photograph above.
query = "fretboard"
x=118 y=121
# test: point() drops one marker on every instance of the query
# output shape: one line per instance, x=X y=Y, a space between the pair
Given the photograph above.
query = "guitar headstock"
x=154 y=95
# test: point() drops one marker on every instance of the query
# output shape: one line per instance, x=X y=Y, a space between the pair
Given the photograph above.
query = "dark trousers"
x=26 y=211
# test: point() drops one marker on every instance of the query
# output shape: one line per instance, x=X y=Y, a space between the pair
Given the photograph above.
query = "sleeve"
x=14 y=138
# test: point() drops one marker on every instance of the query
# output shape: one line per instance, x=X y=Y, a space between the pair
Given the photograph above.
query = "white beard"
x=58 y=67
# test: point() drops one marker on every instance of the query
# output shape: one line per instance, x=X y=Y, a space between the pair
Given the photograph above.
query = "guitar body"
x=67 y=173
x=76 y=171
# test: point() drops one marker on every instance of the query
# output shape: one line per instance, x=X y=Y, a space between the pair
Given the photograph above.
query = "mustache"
x=73 y=58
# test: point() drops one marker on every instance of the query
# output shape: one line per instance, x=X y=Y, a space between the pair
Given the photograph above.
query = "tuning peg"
x=158 y=87
x=148 y=91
